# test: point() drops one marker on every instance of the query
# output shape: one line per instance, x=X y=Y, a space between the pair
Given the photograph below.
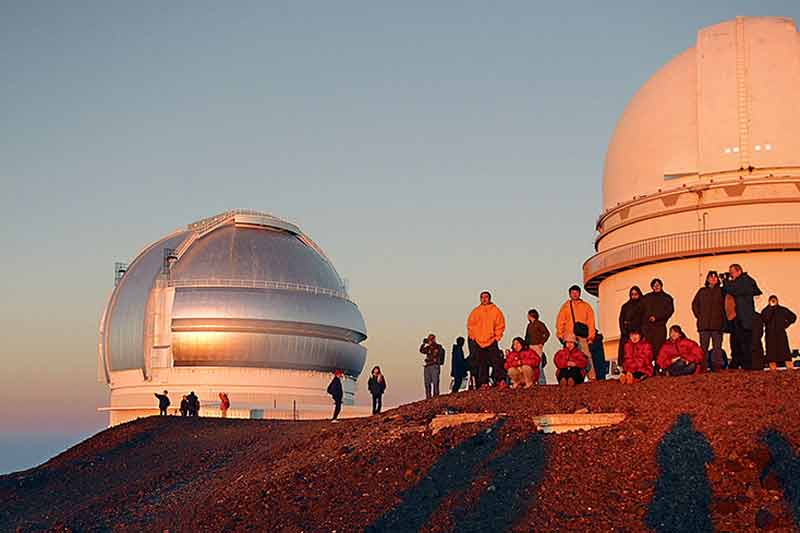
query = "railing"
x=201 y=225
x=689 y=244
x=257 y=284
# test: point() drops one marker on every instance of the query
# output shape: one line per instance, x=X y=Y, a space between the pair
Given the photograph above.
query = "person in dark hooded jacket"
x=708 y=307
x=184 y=406
x=630 y=319
x=163 y=403
x=657 y=308
x=776 y=319
x=194 y=404
x=376 y=386
x=337 y=393
x=741 y=289
x=458 y=364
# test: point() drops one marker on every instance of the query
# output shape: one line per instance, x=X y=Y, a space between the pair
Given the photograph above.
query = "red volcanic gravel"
x=389 y=473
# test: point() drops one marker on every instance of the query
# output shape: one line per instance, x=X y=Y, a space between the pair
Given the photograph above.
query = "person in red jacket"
x=522 y=364
x=680 y=356
x=637 y=358
x=571 y=362
x=224 y=404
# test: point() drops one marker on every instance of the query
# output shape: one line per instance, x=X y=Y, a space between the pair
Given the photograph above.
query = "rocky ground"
x=714 y=452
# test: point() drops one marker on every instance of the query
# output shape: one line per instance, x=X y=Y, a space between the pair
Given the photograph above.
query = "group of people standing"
x=190 y=404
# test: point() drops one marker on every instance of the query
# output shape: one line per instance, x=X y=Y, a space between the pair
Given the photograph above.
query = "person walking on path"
x=637 y=362
x=458 y=365
x=336 y=392
x=776 y=319
x=224 y=404
x=679 y=355
x=485 y=327
x=708 y=307
x=376 y=386
x=630 y=319
x=657 y=308
x=571 y=362
x=184 y=409
x=576 y=318
x=163 y=403
x=434 y=359
x=740 y=290
x=536 y=334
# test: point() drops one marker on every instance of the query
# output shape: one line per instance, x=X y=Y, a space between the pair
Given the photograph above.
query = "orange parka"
x=583 y=313
x=486 y=324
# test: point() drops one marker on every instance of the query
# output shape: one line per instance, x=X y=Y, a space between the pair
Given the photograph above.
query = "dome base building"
x=242 y=303
x=702 y=171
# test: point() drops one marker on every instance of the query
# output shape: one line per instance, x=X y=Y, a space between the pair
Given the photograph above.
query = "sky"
x=433 y=151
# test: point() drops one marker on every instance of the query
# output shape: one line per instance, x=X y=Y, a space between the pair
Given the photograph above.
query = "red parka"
x=565 y=356
x=638 y=357
x=525 y=357
x=684 y=348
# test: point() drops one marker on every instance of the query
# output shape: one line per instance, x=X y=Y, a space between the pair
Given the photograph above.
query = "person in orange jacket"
x=571 y=362
x=680 y=356
x=576 y=315
x=485 y=327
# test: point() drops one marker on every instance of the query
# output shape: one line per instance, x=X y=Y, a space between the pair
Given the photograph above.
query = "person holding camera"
x=434 y=359
x=576 y=318
x=740 y=290
x=485 y=327
x=657 y=308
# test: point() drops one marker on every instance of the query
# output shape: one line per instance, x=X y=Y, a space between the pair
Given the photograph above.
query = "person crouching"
x=680 y=356
x=637 y=358
x=571 y=362
x=522 y=364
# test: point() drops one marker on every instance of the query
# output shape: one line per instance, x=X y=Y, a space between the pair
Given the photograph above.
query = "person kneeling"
x=680 y=356
x=637 y=358
x=522 y=365
x=571 y=362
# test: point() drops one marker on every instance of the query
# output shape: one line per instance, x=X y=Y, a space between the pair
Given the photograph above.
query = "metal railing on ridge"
x=257 y=284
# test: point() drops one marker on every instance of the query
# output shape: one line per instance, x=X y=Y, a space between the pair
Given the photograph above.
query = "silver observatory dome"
x=242 y=289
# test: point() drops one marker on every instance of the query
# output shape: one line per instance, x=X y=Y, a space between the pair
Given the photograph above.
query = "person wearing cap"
x=571 y=362
x=163 y=403
x=336 y=392
x=657 y=308
x=434 y=359
x=576 y=318
x=485 y=327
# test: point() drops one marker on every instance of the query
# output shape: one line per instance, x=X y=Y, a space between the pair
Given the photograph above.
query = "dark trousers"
x=741 y=346
x=484 y=357
x=337 y=409
x=570 y=372
x=377 y=403
x=162 y=411
x=623 y=339
x=457 y=384
x=681 y=368
x=638 y=376
x=656 y=335
x=716 y=360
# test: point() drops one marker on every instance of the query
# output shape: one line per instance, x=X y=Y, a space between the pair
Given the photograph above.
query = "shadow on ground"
x=682 y=498
x=786 y=466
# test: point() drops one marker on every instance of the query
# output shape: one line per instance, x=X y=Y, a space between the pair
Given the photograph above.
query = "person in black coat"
x=776 y=319
x=184 y=406
x=708 y=307
x=377 y=386
x=458 y=365
x=163 y=403
x=630 y=319
x=657 y=308
x=740 y=287
x=336 y=392
x=194 y=404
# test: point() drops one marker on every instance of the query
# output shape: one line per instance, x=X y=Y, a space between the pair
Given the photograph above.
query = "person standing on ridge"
x=163 y=403
x=536 y=334
x=657 y=308
x=377 y=386
x=740 y=290
x=458 y=365
x=485 y=327
x=576 y=318
x=224 y=404
x=184 y=409
x=336 y=392
x=708 y=308
x=630 y=319
x=776 y=319
x=434 y=359
x=194 y=404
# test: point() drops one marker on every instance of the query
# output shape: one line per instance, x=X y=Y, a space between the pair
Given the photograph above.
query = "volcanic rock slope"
x=717 y=452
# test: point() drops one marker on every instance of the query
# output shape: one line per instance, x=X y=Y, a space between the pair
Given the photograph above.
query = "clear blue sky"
x=432 y=151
